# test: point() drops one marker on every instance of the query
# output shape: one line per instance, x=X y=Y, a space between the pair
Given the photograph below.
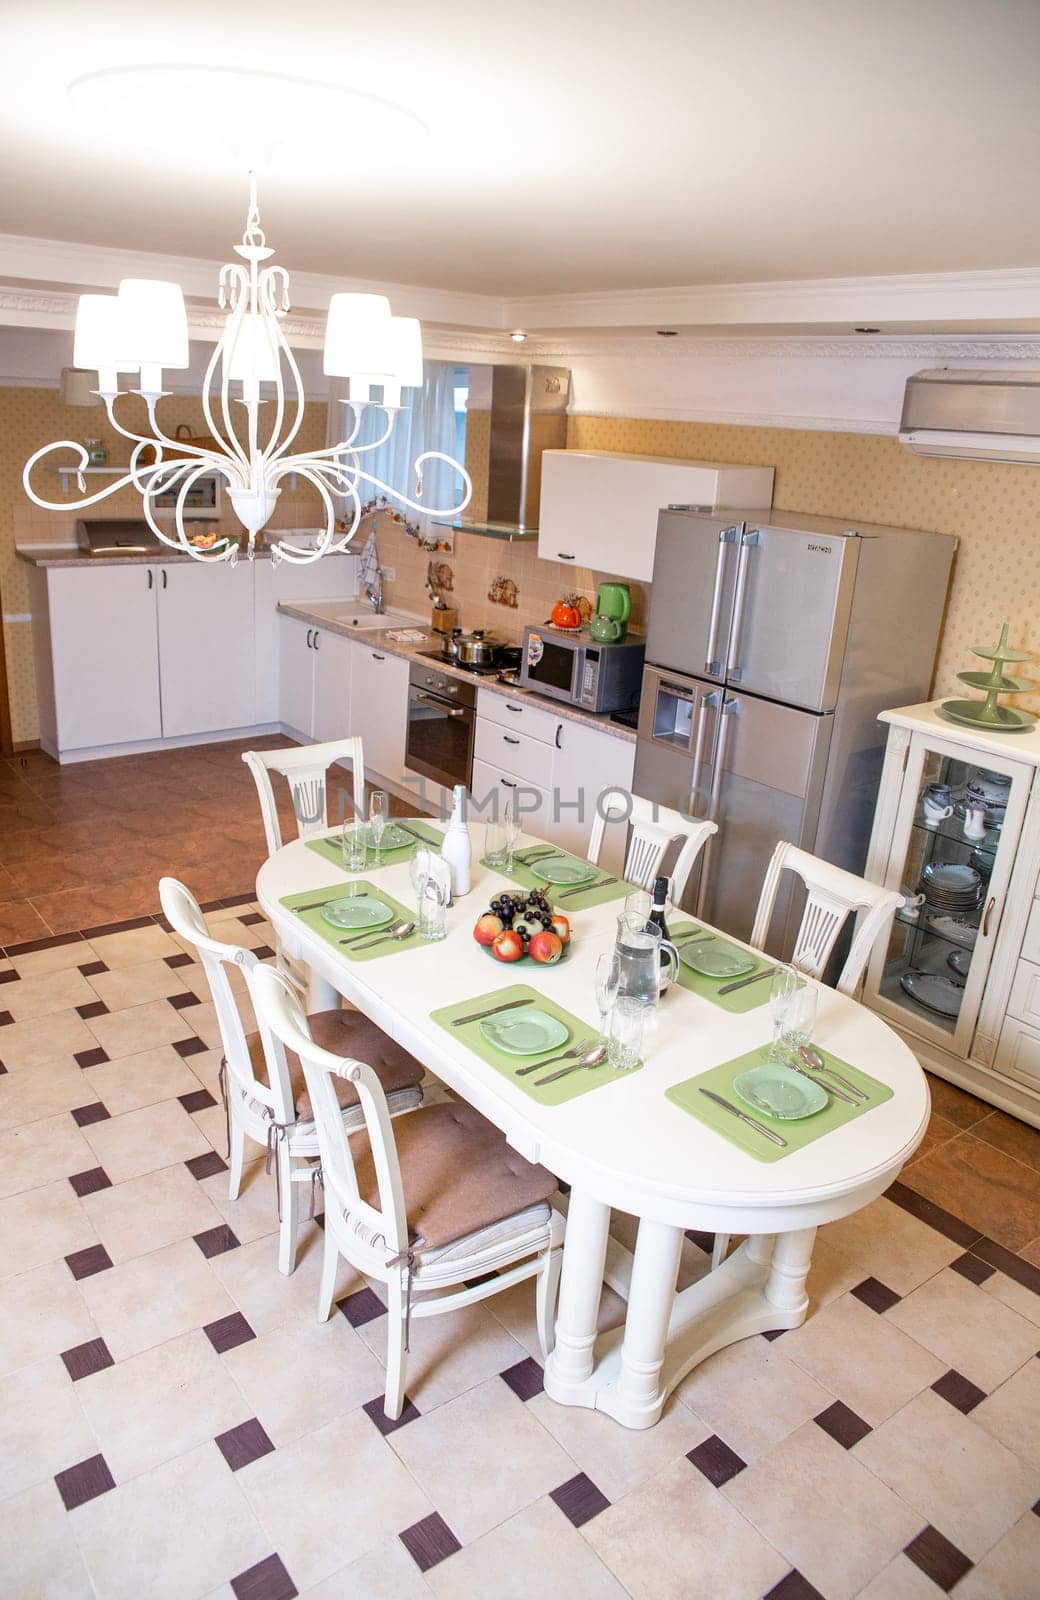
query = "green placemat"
x=741 y=1000
x=553 y=1094
x=616 y=889
x=798 y=1134
x=334 y=936
x=329 y=848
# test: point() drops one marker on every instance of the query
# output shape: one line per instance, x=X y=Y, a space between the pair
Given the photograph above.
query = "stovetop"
x=464 y=666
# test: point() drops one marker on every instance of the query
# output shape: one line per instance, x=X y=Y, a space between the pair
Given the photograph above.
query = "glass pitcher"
x=649 y=963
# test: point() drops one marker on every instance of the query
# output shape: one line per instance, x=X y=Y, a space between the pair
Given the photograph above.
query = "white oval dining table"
x=624 y=1145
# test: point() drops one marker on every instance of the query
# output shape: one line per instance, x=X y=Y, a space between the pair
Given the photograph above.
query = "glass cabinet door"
x=959 y=818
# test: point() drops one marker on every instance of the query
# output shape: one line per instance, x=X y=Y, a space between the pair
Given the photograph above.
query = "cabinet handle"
x=518 y=709
x=559 y=730
x=375 y=657
x=564 y=556
x=309 y=632
x=990 y=903
x=509 y=739
x=164 y=577
x=508 y=783
x=317 y=639
x=151 y=577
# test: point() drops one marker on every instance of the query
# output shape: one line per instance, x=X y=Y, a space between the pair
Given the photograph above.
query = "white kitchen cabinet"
x=207 y=651
x=962 y=987
x=296 y=676
x=599 y=509
x=332 y=576
x=379 y=708
x=99 y=673
x=587 y=761
x=333 y=658
x=314 y=677
x=491 y=788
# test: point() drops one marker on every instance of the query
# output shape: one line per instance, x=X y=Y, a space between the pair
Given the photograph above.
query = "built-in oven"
x=442 y=713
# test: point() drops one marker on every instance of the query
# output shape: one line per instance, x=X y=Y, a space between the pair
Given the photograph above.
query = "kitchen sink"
x=357 y=614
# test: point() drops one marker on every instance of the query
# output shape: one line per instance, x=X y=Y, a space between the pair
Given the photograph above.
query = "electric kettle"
x=613 y=609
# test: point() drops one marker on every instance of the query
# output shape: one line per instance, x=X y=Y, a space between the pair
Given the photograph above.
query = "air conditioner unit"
x=973 y=415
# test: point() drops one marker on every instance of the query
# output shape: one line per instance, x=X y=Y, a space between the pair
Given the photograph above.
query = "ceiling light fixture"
x=518 y=336
x=144 y=328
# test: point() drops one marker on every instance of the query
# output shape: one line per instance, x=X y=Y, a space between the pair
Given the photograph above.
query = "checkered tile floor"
x=176 y=1424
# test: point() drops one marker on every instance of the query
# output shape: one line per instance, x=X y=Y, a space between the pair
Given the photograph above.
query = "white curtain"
x=427 y=422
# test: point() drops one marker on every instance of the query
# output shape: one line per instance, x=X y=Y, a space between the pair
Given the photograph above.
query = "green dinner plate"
x=713 y=960
x=780 y=1092
x=525 y=1032
x=357 y=911
x=393 y=838
x=561 y=869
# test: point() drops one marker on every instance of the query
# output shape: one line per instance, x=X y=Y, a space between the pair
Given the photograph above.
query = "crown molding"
x=936 y=348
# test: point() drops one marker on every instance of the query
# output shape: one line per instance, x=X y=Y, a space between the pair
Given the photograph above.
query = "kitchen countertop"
x=67 y=555
x=379 y=638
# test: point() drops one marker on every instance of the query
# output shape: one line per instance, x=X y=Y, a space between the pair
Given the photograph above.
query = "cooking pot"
x=470 y=649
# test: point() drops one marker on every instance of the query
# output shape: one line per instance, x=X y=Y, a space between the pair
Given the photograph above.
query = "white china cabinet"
x=957 y=832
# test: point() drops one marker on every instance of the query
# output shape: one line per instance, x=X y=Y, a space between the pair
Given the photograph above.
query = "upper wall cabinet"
x=600 y=510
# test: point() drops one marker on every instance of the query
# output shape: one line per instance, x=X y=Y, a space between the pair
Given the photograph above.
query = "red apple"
x=545 y=947
x=508 y=946
x=561 y=927
x=488 y=927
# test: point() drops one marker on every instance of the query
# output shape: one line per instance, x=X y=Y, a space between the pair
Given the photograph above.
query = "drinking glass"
x=637 y=904
x=799 y=1019
x=378 y=811
x=354 y=846
x=625 y=1045
x=433 y=922
x=511 y=829
x=496 y=848
x=608 y=977
x=419 y=872
x=782 y=990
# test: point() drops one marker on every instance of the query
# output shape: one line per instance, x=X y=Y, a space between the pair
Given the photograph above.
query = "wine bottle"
x=657 y=920
x=457 y=849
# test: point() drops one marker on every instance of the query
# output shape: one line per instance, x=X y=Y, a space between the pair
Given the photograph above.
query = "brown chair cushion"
x=344 y=1033
x=458 y=1172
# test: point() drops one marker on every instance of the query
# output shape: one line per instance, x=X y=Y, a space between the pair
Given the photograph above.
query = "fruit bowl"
x=523 y=927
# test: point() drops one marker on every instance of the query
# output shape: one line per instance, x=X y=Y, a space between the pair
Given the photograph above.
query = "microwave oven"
x=575 y=668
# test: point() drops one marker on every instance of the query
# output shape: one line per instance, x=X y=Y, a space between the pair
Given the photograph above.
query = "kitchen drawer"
x=518 y=716
x=516 y=753
x=1024 y=1000
x=491 y=788
x=1018 y=1053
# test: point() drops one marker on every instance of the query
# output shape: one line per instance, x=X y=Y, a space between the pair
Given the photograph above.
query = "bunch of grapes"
x=525 y=914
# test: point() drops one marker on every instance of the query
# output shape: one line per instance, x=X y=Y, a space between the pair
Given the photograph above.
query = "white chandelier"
x=144 y=328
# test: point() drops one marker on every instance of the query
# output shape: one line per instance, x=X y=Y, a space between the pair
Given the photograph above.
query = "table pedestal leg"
x=792 y=1258
x=570 y=1364
x=639 y=1395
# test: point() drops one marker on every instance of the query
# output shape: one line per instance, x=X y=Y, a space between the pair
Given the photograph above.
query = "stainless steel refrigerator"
x=774 y=639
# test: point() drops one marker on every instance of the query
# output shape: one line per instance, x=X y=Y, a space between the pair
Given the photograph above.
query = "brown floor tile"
x=87 y=908
x=938 y=1132
x=984 y=1187
x=956 y=1105
x=1015 y=1138
x=1032 y=1252
x=20 y=921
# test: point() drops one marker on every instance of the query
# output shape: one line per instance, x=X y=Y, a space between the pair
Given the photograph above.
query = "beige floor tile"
x=202 y=1019
x=41 y=1313
x=807 y=1488
x=753 y=1396
x=966 y=1328
x=127 y=1033
x=135 y=946
x=884 y=1241
x=39 y=1556
x=206 y=1067
x=386 y=1572
x=456 y=1454
x=678 y=1538
x=1012 y=1413
x=957 y=1477
x=134 y=986
x=27 y=1045
x=171 y=1534
x=266 y=1297
x=37 y=963
x=46 y=1091
x=304 y=1373
x=41 y=1152
x=330 y=1497
x=449 y=1353
x=42 y=1225
x=619 y=1459
x=1015 y=1295
x=133 y=1082
x=160 y=1404
x=212 y=1123
x=51 y=992
x=229 y=930
x=143 y=1214
x=1009 y=1571
x=143 y=1141
x=44 y=1428
x=536 y=1552
x=515 y=1309
x=153 y=1298
x=254 y=1214
x=861 y=1358
x=901 y=1580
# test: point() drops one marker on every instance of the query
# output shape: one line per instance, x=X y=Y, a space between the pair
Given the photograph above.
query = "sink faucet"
x=374 y=592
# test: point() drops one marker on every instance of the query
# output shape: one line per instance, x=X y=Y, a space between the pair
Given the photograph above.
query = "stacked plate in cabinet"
x=951 y=886
x=951 y=890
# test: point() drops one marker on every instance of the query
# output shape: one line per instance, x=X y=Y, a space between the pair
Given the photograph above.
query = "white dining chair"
x=266 y=1097
x=305 y=769
x=654 y=828
x=436 y=1206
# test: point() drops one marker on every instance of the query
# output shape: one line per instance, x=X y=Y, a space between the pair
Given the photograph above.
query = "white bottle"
x=456 y=849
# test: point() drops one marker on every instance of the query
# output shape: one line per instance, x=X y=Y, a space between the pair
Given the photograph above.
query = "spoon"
x=397 y=930
x=816 y=1063
x=592 y=1059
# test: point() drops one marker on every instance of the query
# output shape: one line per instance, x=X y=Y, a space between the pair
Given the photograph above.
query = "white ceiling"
x=588 y=145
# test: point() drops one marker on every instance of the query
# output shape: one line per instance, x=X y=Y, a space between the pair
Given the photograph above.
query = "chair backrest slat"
x=653 y=829
x=832 y=896
x=305 y=769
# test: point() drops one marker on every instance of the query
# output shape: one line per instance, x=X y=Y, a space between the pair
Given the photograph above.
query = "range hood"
x=973 y=415
x=513 y=414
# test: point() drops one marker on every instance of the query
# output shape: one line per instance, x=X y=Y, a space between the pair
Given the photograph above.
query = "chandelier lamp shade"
x=252 y=401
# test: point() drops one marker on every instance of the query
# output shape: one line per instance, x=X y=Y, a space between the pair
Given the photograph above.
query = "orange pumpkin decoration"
x=565 y=615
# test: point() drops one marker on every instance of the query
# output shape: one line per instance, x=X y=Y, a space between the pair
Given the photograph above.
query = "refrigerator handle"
x=728 y=708
x=713 y=665
x=709 y=702
x=733 y=672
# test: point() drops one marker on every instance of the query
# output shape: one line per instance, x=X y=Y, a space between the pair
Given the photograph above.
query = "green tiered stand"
x=987 y=713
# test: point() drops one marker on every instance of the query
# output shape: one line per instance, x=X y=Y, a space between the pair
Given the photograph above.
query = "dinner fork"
x=572 y=1054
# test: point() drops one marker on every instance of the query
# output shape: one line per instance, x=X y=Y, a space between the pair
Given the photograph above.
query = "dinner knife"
x=743 y=1116
x=742 y=983
x=478 y=1016
x=585 y=888
x=316 y=905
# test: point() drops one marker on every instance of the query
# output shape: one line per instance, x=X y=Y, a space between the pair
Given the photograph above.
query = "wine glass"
x=607 y=980
x=378 y=811
x=511 y=829
x=782 y=989
x=419 y=872
x=799 y=1019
